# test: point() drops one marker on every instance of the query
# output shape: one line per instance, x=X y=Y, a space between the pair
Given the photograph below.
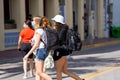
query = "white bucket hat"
x=59 y=18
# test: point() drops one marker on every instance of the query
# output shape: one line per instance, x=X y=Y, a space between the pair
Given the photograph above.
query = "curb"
x=101 y=44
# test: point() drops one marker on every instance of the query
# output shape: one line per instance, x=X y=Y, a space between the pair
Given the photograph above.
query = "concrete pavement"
x=108 y=73
x=84 y=65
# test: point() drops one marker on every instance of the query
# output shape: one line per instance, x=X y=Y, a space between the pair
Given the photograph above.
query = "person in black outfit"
x=60 y=53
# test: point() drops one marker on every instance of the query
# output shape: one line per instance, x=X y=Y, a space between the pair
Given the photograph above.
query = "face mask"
x=33 y=24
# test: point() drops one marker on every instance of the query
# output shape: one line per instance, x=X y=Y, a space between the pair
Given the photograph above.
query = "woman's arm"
x=19 y=41
x=35 y=46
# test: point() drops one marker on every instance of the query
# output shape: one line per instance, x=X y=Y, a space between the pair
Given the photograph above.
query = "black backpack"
x=73 y=40
x=52 y=38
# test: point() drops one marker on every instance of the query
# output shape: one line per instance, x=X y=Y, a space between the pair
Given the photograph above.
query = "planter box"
x=10 y=26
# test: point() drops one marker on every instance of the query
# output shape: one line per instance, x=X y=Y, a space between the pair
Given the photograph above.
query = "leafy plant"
x=10 y=21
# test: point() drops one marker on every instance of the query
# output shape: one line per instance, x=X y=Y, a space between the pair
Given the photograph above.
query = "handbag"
x=49 y=62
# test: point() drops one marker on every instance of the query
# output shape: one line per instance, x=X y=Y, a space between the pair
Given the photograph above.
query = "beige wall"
x=51 y=8
x=100 y=15
x=1 y=26
x=36 y=7
x=69 y=12
x=80 y=18
x=17 y=12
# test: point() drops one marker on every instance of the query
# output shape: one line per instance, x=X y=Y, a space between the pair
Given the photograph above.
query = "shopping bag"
x=49 y=62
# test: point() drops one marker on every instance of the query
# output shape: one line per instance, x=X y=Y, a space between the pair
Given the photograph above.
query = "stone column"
x=22 y=15
x=100 y=15
x=80 y=18
x=18 y=12
x=36 y=7
x=51 y=8
x=40 y=8
x=69 y=12
x=92 y=25
x=1 y=26
x=56 y=7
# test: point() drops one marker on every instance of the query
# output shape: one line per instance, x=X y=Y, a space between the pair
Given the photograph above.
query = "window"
x=9 y=23
x=6 y=10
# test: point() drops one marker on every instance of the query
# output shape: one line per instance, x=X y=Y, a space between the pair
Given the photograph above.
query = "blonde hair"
x=36 y=20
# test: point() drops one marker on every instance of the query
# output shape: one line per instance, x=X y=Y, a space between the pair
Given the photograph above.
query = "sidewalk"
x=14 y=53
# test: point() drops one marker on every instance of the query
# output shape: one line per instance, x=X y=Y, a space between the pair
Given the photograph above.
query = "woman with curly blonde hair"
x=41 y=51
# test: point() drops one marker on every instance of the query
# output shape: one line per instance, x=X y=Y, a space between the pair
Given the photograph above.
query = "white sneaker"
x=24 y=77
x=31 y=74
x=69 y=57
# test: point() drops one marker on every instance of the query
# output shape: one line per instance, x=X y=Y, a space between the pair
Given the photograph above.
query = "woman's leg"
x=37 y=77
x=31 y=67
x=44 y=70
x=65 y=70
x=31 y=64
x=39 y=70
x=25 y=68
x=59 y=68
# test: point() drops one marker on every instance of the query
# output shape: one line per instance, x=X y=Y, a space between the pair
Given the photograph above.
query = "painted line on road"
x=101 y=44
x=90 y=76
x=106 y=43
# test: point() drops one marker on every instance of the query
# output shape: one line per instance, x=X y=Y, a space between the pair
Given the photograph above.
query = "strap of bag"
x=43 y=43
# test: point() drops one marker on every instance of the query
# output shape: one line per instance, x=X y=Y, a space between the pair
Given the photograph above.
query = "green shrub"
x=10 y=21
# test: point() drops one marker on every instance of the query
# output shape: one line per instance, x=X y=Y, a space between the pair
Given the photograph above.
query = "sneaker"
x=24 y=77
x=69 y=57
x=31 y=74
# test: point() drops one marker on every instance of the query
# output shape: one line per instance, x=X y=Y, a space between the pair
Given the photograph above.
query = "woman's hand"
x=26 y=57
x=32 y=43
x=51 y=52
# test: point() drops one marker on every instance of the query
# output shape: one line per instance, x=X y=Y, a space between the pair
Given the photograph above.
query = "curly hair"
x=44 y=22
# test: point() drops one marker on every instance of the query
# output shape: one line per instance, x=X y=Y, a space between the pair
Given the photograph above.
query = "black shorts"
x=25 y=48
x=58 y=53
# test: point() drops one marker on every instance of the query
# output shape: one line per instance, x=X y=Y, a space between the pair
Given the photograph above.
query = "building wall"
x=116 y=13
x=69 y=12
x=51 y=8
x=1 y=26
x=80 y=18
x=48 y=8
x=100 y=18
x=36 y=7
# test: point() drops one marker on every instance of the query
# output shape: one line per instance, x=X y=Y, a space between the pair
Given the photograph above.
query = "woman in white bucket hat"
x=60 y=54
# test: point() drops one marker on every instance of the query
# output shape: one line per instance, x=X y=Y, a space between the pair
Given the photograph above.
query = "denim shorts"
x=41 y=54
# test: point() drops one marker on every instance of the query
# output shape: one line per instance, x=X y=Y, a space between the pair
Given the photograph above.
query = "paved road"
x=85 y=61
